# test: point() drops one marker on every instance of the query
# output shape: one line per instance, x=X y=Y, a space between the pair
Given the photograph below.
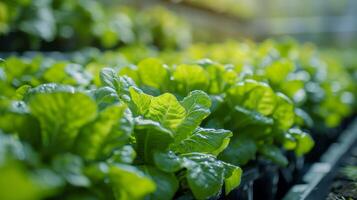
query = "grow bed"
x=318 y=180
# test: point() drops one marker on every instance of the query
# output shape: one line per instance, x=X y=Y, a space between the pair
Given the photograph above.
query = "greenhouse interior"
x=178 y=99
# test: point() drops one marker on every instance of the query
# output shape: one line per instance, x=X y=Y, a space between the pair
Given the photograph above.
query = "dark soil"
x=342 y=190
x=344 y=186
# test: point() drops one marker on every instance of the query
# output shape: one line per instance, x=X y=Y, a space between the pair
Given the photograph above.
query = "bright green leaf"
x=261 y=98
x=190 y=77
x=203 y=141
x=167 y=110
x=232 y=177
x=304 y=141
x=284 y=112
x=197 y=105
x=153 y=73
x=141 y=100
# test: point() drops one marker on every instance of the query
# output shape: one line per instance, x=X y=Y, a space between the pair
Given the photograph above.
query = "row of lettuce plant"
x=49 y=129
x=112 y=142
x=316 y=82
x=262 y=120
x=250 y=106
x=273 y=112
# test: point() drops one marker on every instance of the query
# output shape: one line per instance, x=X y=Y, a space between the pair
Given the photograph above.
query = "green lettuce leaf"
x=71 y=168
x=166 y=183
x=167 y=110
x=243 y=117
x=197 y=105
x=150 y=137
x=204 y=141
x=206 y=175
x=93 y=137
x=21 y=176
x=16 y=118
x=190 y=77
x=167 y=161
x=129 y=183
x=233 y=176
x=278 y=71
x=261 y=98
x=121 y=84
x=304 y=141
x=141 y=101
x=152 y=73
x=61 y=115
x=239 y=91
x=104 y=97
x=284 y=112
x=241 y=150
x=125 y=154
x=274 y=154
x=67 y=73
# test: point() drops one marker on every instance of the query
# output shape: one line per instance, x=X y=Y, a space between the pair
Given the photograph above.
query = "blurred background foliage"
x=69 y=25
